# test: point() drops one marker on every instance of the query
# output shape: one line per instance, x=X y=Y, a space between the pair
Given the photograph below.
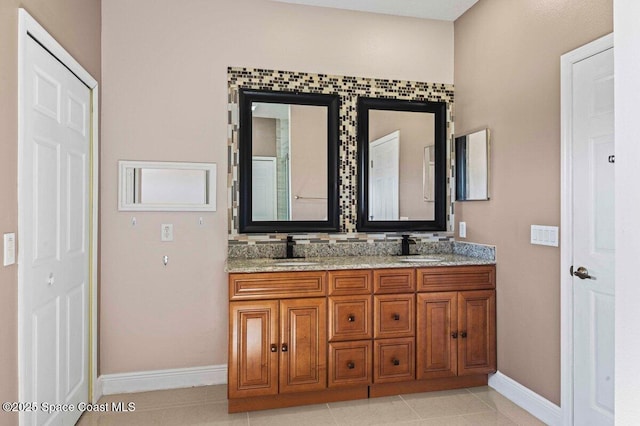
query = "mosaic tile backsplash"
x=349 y=89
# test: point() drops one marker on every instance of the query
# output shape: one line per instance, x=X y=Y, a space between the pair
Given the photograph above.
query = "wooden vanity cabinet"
x=456 y=329
x=277 y=347
x=307 y=337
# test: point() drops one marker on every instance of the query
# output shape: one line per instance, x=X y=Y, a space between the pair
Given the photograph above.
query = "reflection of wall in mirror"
x=263 y=131
x=417 y=130
x=309 y=162
x=477 y=172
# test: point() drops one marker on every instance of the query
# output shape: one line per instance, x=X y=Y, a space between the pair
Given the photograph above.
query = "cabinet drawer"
x=350 y=363
x=394 y=280
x=393 y=360
x=342 y=283
x=394 y=315
x=349 y=318
x=457 y=278
x=277 y=285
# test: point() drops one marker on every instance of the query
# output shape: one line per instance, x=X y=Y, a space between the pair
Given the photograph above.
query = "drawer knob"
x=351 y=365
x=285 y=348
x=274 y=348
x=351 y=318
x=454 y=335
x=395 y=361
x=463 y=334
x=396 y=317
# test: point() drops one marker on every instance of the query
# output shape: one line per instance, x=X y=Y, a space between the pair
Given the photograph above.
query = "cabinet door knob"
x=274 y=348
x=463 y=334
x=454 y=335
x=396 y=317
x=395 y=361
x=351 y=318
x=351 y=365
x=285 y=348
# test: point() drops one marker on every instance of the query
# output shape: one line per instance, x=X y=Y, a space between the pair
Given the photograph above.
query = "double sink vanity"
x=315 y=330
x=348 y=164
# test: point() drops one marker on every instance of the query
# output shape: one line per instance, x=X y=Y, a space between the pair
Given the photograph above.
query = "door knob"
x=581 y=272
x=395 y=361
x=351 y=365
x=396 y=317
x=274 y=348
x=351 y=318
x=285 y=348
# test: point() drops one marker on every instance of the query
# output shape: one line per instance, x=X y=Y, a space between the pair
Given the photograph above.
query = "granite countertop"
x=351 y=262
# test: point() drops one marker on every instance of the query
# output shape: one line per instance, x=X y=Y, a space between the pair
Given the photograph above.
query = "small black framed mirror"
x=288 y=162
x=401 y=165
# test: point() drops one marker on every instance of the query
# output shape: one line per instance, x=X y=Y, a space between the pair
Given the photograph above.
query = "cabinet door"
x=253 y=350
x=477 y=332
x=437 y=335
x=303 y=349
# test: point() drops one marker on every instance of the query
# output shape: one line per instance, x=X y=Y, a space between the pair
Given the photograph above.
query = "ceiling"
x=446 y=10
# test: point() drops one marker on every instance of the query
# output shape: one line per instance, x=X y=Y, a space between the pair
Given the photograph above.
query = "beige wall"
x=76 y=25
x=165 y=98
x=263 y=135
x=507 y=77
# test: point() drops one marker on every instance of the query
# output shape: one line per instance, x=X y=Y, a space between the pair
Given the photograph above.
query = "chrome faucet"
x=406 y=242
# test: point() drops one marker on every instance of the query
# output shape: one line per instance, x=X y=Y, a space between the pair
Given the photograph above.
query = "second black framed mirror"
x=401 y=165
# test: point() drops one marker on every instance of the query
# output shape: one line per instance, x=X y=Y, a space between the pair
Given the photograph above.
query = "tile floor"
x=207 y=405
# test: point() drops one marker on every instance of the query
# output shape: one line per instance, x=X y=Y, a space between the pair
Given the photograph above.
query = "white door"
x=384 y=177
x=264 y=202
x=54 y=237
x=593 y=239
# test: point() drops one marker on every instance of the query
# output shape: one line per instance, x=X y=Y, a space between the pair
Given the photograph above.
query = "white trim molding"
x=527 y=399
x=566 y=218
x=144 y=381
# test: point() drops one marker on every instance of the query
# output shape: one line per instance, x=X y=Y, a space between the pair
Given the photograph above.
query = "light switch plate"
x=462 y=229
x=9 y=249
x=544 y=235
x=166 y=233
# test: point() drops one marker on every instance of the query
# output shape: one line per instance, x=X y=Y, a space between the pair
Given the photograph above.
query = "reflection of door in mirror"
x=384 y=177
x=295 y=136
x=417 y=130
x=264 y=188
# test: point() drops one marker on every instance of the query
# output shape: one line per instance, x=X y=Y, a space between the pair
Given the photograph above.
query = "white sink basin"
x=293 y=263
x=420 y=259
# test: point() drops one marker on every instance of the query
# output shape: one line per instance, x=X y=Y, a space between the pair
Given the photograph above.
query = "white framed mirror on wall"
x=166 y=186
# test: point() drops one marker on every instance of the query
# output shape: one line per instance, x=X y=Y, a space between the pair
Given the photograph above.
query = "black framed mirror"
x=401 y=165
x=288 y=162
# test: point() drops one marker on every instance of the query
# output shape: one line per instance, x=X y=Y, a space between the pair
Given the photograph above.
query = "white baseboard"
x=538 y=406
x=143 y=381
